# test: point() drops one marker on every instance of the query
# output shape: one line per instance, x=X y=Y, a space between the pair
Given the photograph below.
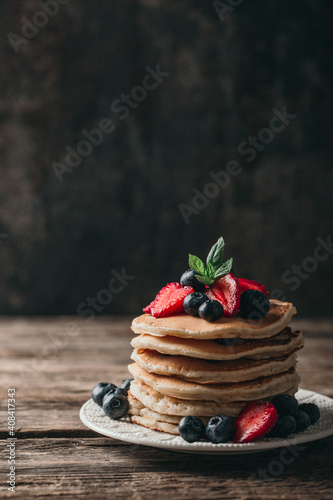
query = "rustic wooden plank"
x=105 y=468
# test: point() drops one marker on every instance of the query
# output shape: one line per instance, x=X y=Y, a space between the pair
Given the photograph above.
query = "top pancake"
x=186 y=326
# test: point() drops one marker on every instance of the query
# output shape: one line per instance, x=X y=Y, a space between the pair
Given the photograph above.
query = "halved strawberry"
x=169 y=300
x=251 y=285
x=255 y=420
x=147 y=309
x=226 y=290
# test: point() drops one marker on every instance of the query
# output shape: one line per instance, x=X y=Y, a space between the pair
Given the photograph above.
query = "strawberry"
x=169 y=300
x=255 y=420
x=147 y=309
x=251 y=285
x=226 y=290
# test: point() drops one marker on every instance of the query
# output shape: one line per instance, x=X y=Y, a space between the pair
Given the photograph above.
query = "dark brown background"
x=119 y=208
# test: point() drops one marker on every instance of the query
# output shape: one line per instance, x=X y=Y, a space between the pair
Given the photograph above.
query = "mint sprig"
x=214 y=268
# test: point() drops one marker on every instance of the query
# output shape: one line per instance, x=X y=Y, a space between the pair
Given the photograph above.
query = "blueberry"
x=100 y=390
x=220 y=429
x=188 y=279
x=126 y=384
x=117 y=390
x=311 y=410
x=285 y=425
x=115 y=404
x=302 y=421
x=254 y=304
x=211 y=310
x=285 y=404
x=193 y=301
x=191 y=429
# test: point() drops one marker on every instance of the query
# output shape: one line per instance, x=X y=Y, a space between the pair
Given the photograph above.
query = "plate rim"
x=205 y=446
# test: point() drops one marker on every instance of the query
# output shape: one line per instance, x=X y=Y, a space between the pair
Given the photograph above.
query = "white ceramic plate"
x=93 y=417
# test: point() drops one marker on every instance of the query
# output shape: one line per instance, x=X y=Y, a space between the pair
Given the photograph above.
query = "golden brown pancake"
x=186 y=326
x=161 y=403
x=282 y=344
x=167 y=405
x=211 y=372
x=155 y=425
x=252 y=390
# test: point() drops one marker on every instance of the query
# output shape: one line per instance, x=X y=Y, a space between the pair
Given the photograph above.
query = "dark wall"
x=119 y=208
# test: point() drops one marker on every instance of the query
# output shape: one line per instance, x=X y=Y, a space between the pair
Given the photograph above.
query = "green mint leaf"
x=215 y=255
x=197 y=265
x=205 y=280
x=210 y=270
x=224 y=269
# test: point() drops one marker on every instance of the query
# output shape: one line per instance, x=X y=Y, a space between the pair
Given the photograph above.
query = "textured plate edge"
x=210 y=448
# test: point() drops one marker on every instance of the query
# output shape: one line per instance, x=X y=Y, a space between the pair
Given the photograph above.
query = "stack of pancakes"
x=187 y=366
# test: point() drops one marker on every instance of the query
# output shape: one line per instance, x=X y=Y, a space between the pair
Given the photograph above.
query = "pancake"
x=186 y=326
x=169 y=406
x=282 y=344
x=161 y=403
x=155 y=425
x=213 y=372
x=137 y=408
x=252 y=390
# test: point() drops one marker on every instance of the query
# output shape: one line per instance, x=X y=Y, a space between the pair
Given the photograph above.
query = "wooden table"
x=53 y=363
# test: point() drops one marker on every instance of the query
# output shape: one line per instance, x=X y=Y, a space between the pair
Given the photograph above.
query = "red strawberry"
x=251 y=285
x=254 y=421
x=147 y=309
x=169 y=300
x=226 y=290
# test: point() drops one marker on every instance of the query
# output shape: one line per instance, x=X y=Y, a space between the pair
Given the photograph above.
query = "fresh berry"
x=302 y=421
x=126 y=384
x=210 y=310
x=169 y=300
x=254 y=304
x=117 y=390
x=255 y=420
x=191 y=429
x=285 y=404
x=226 y=291
x=285 y=425
x=311 y=410
x=115 y=405
x=147 y=309
x=220 y=429
x=188 y=279
x=193 y=301
x=100 y=390
x=251 y=285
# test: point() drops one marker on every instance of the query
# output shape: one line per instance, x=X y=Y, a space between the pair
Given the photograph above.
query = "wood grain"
x=53 y=374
